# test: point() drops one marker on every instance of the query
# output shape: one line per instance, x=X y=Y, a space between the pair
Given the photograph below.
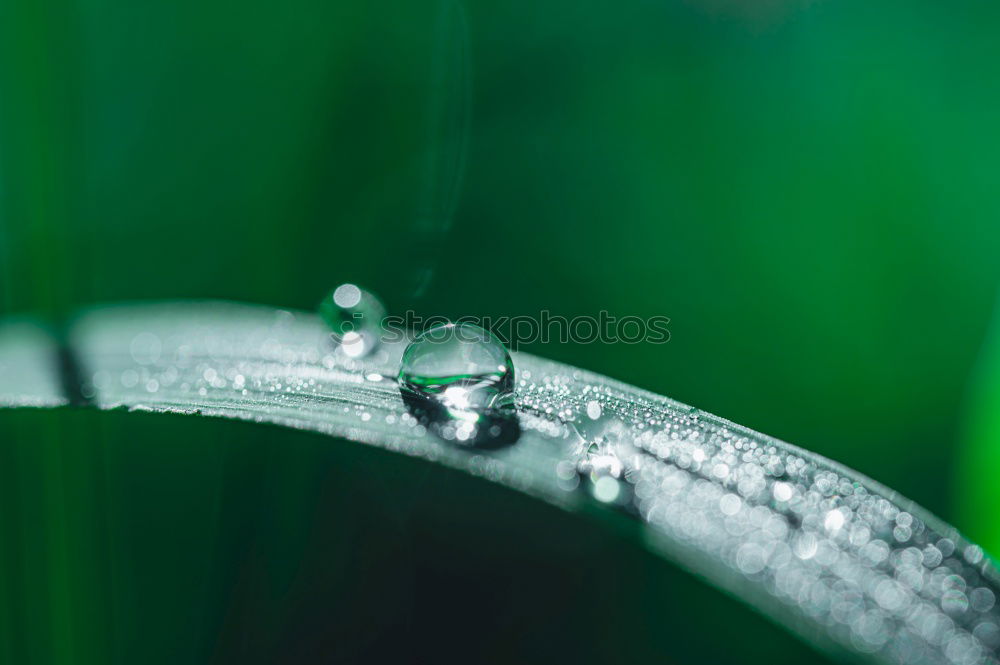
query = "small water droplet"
x=599 y=463
x=458 y=380
x=606 y=489
x=602 y=433
x=355 y=319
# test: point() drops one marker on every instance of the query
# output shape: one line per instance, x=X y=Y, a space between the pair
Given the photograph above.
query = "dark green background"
x=808 y=191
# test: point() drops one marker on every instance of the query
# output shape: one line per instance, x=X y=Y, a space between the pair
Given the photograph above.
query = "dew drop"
x=606 y=489
x=355 y=319
x=458 y=380
x=594 y=409
x=599 y=463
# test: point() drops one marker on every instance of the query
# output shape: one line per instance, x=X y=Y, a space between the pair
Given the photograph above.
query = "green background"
x=807 y=190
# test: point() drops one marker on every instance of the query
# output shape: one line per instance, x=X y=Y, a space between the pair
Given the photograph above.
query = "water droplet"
x=594 y=409
x=458 y=380
x=606 y=489
x=834 y=521
x=599 y=463
x=355 y=319
x=782 y=491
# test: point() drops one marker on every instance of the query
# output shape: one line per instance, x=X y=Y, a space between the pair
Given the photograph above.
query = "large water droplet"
x=355 y=319
x=458 y=379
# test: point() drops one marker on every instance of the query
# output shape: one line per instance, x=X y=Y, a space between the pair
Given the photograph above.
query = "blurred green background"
x=807 y=189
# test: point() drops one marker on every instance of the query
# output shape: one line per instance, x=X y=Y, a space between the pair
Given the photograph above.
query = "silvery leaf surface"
x=832 y=555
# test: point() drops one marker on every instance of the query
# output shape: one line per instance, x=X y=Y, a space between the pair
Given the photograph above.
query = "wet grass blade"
x=830 y=554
